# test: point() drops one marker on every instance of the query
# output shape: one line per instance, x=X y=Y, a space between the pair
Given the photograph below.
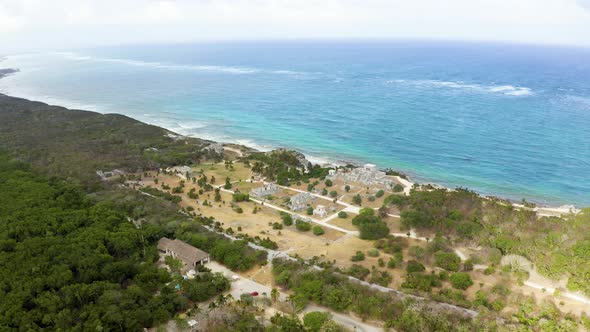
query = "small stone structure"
x=180 y=171
x=188 y=254
x=300 y=201
x=320 y=211
x=108 y=174
x=266 y=190
x=215 y=147
x=367 y=174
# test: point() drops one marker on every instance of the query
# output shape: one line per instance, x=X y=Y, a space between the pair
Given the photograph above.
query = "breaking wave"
x=161 y=65
x=508 y=90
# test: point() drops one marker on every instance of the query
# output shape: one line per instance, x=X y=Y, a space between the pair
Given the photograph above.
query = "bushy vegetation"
x=556 y=246
x=162 y=194
x=69 y=263
x=76 y=144
x=318 y=230
x=340 y=294
x=371 y=227
x=303 y=226
x=284 y=166
x=461 y=280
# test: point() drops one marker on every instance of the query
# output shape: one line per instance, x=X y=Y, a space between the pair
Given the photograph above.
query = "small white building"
x=332 y=172
x=320 y=211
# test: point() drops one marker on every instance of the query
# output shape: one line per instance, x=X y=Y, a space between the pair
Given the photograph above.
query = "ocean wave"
x=508 y=90
x=161 y=65
x=52 y=100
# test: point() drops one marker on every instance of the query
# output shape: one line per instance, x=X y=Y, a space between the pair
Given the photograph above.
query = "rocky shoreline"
x=7 y=71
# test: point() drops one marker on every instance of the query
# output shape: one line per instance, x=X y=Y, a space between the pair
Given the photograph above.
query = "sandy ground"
x=333 y=245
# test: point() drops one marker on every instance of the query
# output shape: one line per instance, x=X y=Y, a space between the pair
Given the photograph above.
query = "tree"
x=379 y=193
x=371 y=227
x=461 y=280
x=274 y=295
x=227 y=184
x=217 y=195
x=328 y=183
x=309 y=210
x=356 y=199
x=342 y=215
x=347 y=188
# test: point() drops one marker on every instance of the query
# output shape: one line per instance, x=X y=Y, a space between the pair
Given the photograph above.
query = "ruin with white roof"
x=320 y=211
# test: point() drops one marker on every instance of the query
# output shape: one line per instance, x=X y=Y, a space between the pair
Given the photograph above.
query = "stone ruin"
x=300 y=201
x=266 y=190
x=367 y=175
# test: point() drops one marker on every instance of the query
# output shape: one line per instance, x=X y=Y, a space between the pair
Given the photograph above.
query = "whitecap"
x=505 y=89
x=160 y=65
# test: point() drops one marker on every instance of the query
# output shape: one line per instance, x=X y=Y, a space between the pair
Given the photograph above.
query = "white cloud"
x=62 y=23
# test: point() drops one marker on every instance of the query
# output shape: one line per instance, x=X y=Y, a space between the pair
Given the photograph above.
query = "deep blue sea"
x=508 y=120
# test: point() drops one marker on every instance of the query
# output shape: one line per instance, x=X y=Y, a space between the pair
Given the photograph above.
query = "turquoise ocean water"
x=508 y=120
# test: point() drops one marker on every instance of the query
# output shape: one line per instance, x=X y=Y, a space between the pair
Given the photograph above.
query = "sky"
x=60 y=24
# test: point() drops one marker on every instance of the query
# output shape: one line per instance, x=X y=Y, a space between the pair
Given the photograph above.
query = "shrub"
x=414 y=266
x=373 y=252
x=468 y=265
x=315 y=320
x=447 y=260
x=302 y=225
x=371 y=198
x=276 y=225
x=333 y=193
x=357 y=271
x=239 y=197
x=268 y=243
x=392 y=263
x=461 y=280
x=287 y=219
x=379 y=193
x=416 y=251
x=398 y=188
x=317 y=230
x=421 y=281
x=359 y=256
x=342 y=215
x=489 y=270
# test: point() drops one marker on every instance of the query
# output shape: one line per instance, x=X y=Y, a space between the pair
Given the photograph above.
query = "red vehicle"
x=254 y=293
